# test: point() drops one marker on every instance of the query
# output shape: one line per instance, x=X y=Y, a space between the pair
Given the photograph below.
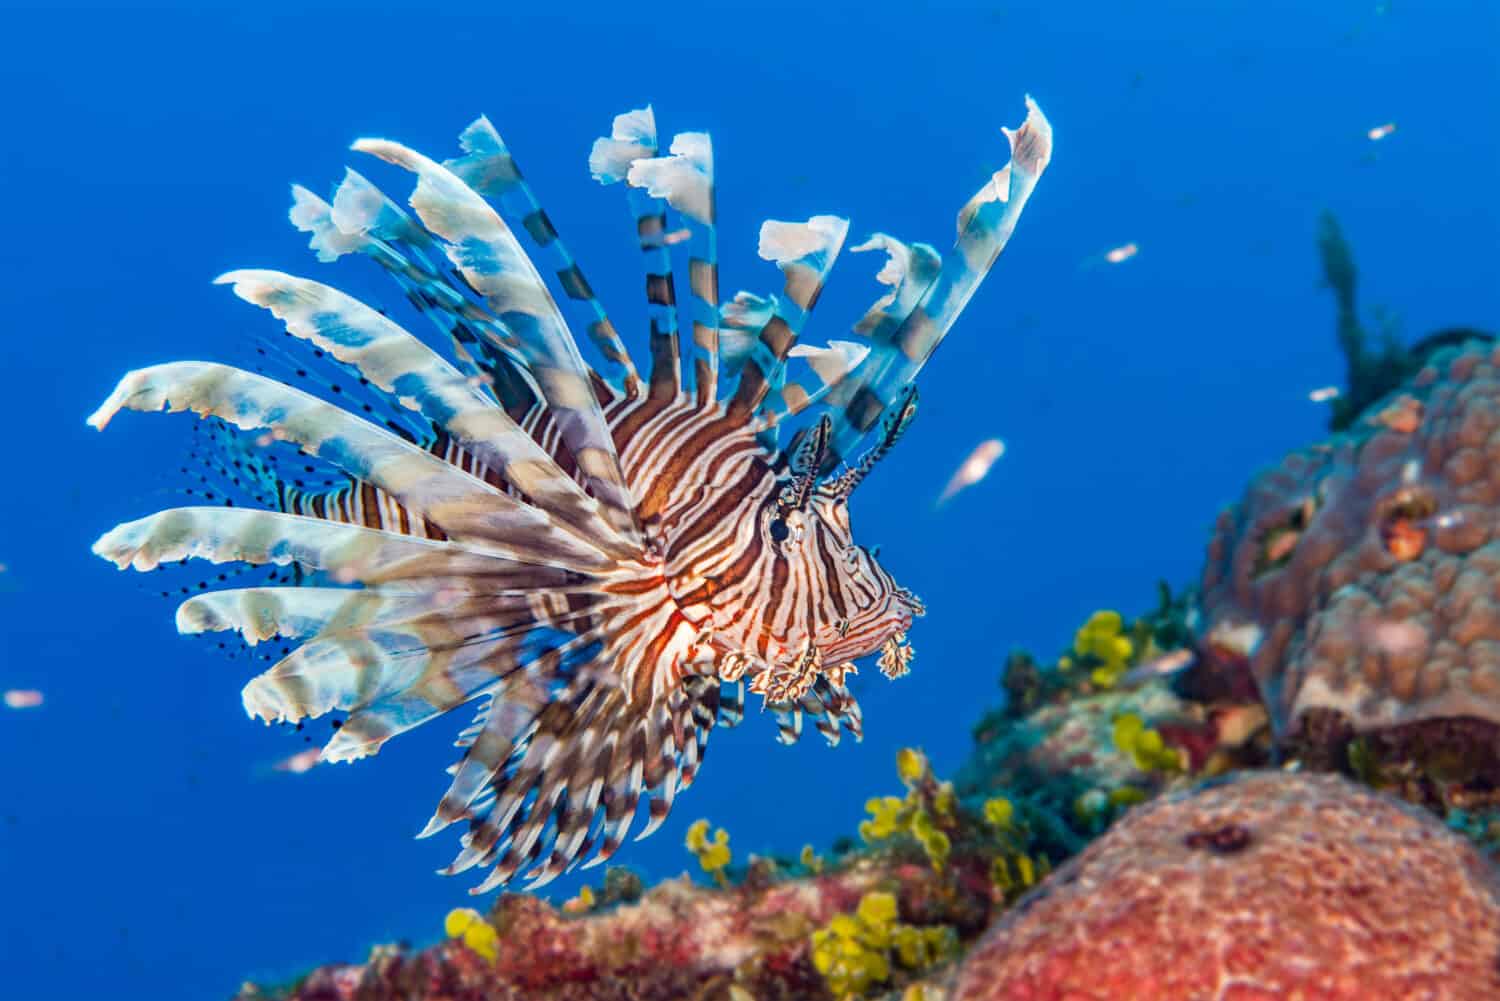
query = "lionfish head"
x=857 y=608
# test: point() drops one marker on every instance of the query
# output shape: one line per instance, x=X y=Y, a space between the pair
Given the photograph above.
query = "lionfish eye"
x=779 y=531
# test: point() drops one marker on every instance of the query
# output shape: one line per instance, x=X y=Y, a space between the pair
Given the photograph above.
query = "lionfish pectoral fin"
x=395 y=361
x=374 y=226
x=480 y=245
x=462 y=505
x=565 y=749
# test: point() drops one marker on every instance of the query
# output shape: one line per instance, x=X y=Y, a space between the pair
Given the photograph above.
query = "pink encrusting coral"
x=1271 y=886
x=1357 y=579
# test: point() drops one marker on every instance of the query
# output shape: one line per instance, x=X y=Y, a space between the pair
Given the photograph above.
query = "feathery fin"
x=484 y=250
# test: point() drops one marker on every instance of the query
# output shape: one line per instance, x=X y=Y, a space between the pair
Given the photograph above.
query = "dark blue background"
x=144 y=853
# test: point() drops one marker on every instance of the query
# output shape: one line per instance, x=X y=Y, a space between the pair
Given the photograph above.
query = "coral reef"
x=679 y=941
x=883 y=918
x=1272 y=885
x=1354 y=585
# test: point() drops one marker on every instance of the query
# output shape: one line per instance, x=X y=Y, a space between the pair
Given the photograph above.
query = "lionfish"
x=604 y=562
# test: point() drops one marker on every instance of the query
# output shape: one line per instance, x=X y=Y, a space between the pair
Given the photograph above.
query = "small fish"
x=23 y=698
x=1169 y=663
x=1121 y=254
x=973 y=469
x=1379 y=132
x=1324 y=394
x=300 y=762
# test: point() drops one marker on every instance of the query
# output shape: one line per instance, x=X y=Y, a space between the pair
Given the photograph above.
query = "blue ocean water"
x=146 y=850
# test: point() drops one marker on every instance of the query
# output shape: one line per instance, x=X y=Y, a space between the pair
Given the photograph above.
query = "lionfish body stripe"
x=603 y=562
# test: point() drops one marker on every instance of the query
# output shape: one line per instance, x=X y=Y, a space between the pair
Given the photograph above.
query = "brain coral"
x=1359 y=581
x=1273 y=887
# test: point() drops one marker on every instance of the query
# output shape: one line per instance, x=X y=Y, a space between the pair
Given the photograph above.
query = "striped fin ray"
x=554 y=772
x=394 y=677
x=672 y=743
x=633 y=137
x=349 y=553
x=731 y=703
x=460 y=504
x=363 y=220
x=903 y=343
x=263 y=613
x=400 y=364
x=488 y=167
x=829 y=704
x=484 y=250
x=826 y=368
x=805 y=253
x=684 y=179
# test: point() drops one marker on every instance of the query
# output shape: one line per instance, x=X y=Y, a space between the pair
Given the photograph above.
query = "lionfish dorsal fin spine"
x=485 y=251
x=901 y=344
x=633 y=137
x=805 y=252
x=489 y=168
x=683 y=180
